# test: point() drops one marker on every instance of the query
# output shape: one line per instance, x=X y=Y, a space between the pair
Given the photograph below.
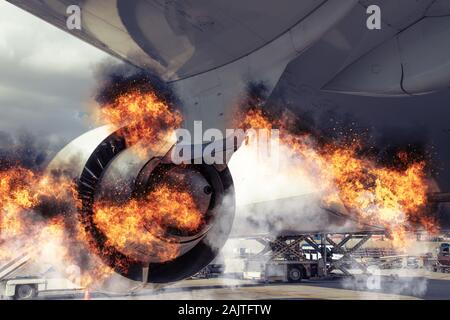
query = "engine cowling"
x=107 y=169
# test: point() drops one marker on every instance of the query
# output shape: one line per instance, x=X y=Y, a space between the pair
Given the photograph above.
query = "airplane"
x=208 y=51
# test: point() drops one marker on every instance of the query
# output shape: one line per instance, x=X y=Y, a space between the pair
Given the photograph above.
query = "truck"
x=27 y=288
x=306 y=264
x=283 y=270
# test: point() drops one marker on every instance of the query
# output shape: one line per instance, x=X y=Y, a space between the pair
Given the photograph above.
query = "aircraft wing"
x=209 y=50
x=177 y=39
x=181 y=39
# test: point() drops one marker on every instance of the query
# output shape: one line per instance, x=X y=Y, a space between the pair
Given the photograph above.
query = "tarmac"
x=388 y=285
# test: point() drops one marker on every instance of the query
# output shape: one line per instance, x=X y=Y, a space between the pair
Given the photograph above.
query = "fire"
x=176 y=209
x=141 y=223
x=390 y=197
x=22 y=190
x=39 y=211
x=255 y=119
x=26 y=198
x=386 y=196
x=144 y=117
x=136 y=227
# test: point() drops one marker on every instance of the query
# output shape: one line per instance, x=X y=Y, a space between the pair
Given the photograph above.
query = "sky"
x=46 y=77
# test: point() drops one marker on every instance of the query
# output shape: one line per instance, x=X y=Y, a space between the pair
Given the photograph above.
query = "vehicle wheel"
x=25 y=292
x=294 y=274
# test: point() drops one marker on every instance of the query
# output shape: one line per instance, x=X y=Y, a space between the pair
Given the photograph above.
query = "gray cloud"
x=46 y=77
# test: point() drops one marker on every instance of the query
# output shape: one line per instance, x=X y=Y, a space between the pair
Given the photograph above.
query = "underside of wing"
x=413 y=57
x=177 y=39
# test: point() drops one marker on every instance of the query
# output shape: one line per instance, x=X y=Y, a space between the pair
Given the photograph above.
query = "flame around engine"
x=38 y=211
x=144 y=116
x=163 y=216
x=139 y=224
x=390 y=197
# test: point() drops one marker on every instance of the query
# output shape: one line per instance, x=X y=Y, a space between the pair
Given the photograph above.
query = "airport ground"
x=393 y=285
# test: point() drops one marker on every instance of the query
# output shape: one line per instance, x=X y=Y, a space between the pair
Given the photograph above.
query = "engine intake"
x=109 y=170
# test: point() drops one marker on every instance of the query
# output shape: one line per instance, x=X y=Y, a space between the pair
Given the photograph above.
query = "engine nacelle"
x=107 y=169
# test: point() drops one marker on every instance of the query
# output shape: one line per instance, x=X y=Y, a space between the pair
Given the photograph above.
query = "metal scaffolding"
x=334 y=255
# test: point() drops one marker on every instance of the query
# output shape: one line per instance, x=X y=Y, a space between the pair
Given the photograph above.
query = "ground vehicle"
x=282 y=270
x=443 y=258
x=25 y=288
x=15 y=282
x=291 y=271
x=444 y=254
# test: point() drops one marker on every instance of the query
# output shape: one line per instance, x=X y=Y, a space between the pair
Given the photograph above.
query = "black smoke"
x=24 y=150
x=387 y=147
x=116 y=79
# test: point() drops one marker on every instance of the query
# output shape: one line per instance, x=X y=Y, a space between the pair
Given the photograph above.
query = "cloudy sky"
x=46 y=76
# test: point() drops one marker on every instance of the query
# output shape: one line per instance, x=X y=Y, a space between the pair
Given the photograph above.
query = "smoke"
x=26 y=150
x=268 y=200
x=382 y=125
x=274 y=191
x=39 y=215
x=396 y=282
x=116 y=79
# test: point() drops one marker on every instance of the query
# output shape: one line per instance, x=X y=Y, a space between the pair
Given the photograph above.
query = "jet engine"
x=107 y=169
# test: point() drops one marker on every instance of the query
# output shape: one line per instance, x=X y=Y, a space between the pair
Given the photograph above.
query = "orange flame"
x=388 y=197
x=24 y=229
x=144 y=116
x=142 y=223
x=62 y=237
